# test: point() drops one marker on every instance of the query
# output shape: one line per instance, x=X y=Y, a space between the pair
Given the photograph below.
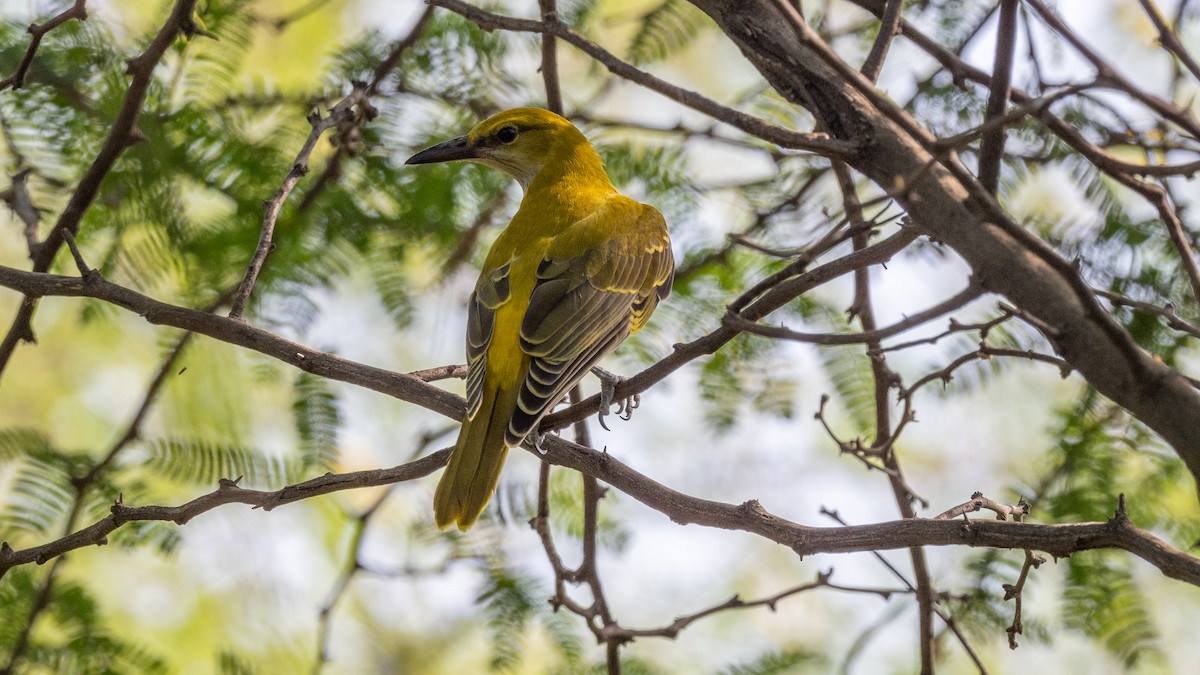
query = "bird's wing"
x=598 y=283
x=491 y=292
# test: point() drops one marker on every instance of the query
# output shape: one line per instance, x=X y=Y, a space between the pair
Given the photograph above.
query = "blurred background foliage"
x=373 y=260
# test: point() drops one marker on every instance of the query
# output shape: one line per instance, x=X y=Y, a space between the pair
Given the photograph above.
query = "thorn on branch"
x=1121 y=517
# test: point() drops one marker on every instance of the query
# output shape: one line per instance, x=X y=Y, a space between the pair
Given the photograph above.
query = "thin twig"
x=389 y=63
x=36 y=33
x=770 y=602
x=884 y=378
x=353 y=106
x=1105 y=72
x=1168 y=38
x=18 y=200
x=946 y=618
x=737 y=322
x=1167 y=312
x=1016 y=512
x=1015 y=592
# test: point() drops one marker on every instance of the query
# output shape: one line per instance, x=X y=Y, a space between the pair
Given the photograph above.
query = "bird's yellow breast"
x=506 y=362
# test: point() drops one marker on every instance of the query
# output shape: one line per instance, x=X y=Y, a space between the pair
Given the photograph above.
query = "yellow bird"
x=579 y=269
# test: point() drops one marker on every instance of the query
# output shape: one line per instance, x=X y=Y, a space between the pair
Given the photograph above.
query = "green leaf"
x=778 y=663
x=205 y=462
x=318 y=420
x=39 y=498
x=509 y=603
x=665 y=31
x=18 y=443
x=1102 y=600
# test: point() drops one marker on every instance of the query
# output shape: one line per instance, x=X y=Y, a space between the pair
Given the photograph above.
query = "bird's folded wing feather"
x=599 y=282
x=492 y=292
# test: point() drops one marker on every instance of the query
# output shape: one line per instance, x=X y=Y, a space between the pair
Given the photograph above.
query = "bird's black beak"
x=447 y=151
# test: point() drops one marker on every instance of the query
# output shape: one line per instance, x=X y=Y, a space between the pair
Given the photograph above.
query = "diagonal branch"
x=1105 y=72
x=889 y=28
x=36 y=33
x=1169 y=39
x=352 y=108
x=227 y=492
x=737 y=322
x=786 y=138
x=233 y=331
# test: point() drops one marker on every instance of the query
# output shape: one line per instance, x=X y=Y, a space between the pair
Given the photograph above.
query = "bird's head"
x=519 y=142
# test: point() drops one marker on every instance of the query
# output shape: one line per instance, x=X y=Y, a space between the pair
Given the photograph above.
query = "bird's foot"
x=537 y=437
x=608 y=389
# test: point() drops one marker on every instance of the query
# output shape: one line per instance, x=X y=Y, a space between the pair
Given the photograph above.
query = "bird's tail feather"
x=474 y=468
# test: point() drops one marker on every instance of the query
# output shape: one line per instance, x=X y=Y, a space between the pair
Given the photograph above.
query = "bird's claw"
x=608 y=389
x=538 y=437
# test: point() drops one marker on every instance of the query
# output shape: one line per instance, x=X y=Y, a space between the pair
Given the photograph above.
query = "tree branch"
x=1168 y=38
x=36 y=33
x=991 y=149
x=227 y=492
x=232 y=331
x=786 y=138
x=354 y=107
x=1057 y=540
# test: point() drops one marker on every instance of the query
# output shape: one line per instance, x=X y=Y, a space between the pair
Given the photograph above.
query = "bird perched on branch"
x=579 y=269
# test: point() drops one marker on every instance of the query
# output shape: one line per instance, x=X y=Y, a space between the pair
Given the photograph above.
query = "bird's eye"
x=507 y=134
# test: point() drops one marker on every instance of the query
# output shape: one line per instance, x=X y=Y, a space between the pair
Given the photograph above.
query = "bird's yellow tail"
x=474 y=468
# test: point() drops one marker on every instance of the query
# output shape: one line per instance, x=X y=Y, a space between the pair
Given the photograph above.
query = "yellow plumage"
x=579 y=269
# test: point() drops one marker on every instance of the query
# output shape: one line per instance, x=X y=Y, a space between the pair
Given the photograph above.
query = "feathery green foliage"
x=318 y=419
x=666 y=30
x=779 y=663
x=206 y=462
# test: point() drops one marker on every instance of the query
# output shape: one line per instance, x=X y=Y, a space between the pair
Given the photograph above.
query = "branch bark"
x=1057 y=540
